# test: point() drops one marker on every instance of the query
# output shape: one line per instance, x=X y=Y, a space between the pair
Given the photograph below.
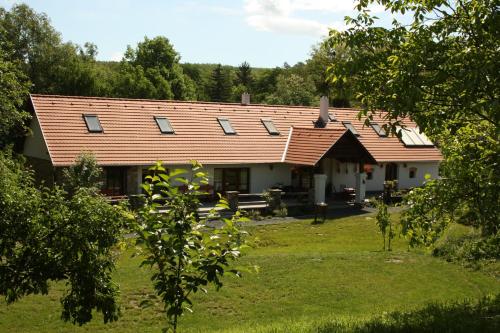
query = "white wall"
x=377 y=182
x=34 y=145
x=262 y=176
x=423 y=168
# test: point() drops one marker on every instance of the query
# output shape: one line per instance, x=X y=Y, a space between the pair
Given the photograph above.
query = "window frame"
x=349 y=126
x=169 y=124
x=269 y=122
x=91 y=130
x=380 y=131
x=222 y=120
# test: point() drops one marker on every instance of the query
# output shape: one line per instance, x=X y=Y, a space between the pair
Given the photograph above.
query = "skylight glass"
x=226 y=126
x=413 y=137
x=350 y=127
x=93 y=123
x=164 y=125
x=378 y=129
x=268 y=123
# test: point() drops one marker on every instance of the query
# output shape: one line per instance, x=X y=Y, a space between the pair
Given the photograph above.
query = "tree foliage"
x=85 y=172
x=13 y=91
x=440 y=70
x=185 y=254
x=220 y=85
x=47 y=236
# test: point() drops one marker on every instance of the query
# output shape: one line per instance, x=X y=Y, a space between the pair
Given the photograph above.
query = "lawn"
x=307 y=273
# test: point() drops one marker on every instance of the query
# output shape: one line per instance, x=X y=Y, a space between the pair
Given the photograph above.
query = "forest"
x=152 y=69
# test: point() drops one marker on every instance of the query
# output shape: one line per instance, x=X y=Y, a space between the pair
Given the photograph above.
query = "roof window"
x=164 y=125
x=226 y=126
x=331 y=116
x=350 y=127
x=269 y=125
x=93 y=123
x=413 y=137
x=378 y=129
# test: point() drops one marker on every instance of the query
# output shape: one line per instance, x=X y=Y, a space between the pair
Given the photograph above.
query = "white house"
x=244 y=147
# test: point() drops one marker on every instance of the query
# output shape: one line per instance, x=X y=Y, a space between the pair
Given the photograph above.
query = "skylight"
x=226 y=126
x=413 y=137
x=268 y=123
x=93 y=123
x=350 y=127
x=164 y=125
x=331 y=116
x=378 y=129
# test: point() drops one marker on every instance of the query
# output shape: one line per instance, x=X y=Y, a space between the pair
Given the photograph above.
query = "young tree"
x=440 y=70
x=185 y=254
x=47 y=236
x=384 y=224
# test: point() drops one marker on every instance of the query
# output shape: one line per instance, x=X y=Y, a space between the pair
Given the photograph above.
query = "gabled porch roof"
x=306 y=146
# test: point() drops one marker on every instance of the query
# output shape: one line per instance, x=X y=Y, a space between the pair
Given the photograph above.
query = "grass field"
x=308 y=274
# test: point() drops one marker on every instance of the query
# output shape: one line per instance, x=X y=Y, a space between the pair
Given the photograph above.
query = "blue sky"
x=266 y=33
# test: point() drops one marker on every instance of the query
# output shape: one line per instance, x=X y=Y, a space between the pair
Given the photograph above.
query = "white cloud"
x=284 y=16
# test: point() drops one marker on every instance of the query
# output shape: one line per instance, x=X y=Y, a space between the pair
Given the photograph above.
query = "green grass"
x=310 y=276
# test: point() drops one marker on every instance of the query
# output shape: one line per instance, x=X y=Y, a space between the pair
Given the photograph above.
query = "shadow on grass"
x=482 y=317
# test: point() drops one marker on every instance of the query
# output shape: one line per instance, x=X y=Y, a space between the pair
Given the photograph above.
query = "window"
x=413 y=137
x=348 y=125
x=226 y=126
x=331 y=116
x=93 y=123
x=268 y=123
x=232 y=179
x=115 y=182
x=378 y=129
x=412 y=173
x=164 y=125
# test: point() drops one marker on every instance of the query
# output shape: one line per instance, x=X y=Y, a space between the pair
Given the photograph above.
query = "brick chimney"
x=245 y=99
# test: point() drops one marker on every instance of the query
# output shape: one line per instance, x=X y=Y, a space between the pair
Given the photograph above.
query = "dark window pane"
x=93 y=123
x=226 y=126
x=268 y=123
x=164 y=125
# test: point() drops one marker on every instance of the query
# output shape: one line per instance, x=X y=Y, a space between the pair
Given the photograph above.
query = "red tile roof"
x=131 y=135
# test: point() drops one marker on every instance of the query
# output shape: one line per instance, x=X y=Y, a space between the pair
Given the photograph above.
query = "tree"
x=46 y=235
x=440 y=70
x=13 y=92
x=220 y=85
x=322 y=56
x=244 y=75
x=185 y=254
x=383 y=222
x=292 y=89
x=84 y=173
x=52 y=66
x=154 y=67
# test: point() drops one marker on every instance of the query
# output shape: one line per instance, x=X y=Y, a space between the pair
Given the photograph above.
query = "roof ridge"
x=191 y=102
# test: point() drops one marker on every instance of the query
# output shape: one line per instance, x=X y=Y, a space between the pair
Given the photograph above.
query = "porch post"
x=360 y=185
x=319 y=188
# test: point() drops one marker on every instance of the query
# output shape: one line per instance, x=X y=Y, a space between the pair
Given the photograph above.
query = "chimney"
x=245 y=99
x=323 y=110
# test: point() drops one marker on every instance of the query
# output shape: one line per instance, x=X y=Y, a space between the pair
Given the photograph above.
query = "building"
x=244 y=147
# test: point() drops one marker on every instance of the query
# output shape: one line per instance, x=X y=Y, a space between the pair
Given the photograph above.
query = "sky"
x=265 y=33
